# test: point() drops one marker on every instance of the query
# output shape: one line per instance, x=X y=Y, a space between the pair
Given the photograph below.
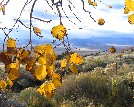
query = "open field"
x=98 y=84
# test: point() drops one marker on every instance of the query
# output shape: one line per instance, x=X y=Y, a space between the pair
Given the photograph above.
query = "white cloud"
x=114 y=18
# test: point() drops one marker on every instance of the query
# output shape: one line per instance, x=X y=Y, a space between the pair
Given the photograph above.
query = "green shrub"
x=32 y=98
x=97 y=87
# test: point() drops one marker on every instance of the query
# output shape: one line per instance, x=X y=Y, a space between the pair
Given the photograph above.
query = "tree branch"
x=42 y=20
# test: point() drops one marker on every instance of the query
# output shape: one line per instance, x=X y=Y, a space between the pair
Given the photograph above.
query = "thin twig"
x=30 y=42
x=23 y=24
x=42 y=20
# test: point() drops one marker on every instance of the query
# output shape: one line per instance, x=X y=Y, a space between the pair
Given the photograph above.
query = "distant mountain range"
x=100 y=43
x=87 y=41
x=103 y=41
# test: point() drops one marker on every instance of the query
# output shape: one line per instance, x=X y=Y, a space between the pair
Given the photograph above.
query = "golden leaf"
x=63 y=63
x=13 y=74
x=131 y=19
x=39 y=49
x=47 y=89
x=126 y=10
x=56 y=76
x=40 y=72
x=36 y=30
x=89 y=2
x=101 y=21
x=50 y=70
x=3 y=10
x=3 y=85
x=58 y=32
x=11 y=43
x=25 y=54
x=112 y=49
x=13 y=65
x=94 y=4
x=30 y=64
x=76 y=59
x=9 y=82
x=5 y=58
x=49 y=59
x=110 y=6
x=49 y=49
x=129 y=4
x=42 y=60
x=73 y=69
x=56 y=82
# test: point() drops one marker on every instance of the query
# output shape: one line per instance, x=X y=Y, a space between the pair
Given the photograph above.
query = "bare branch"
x=67 y=16
x=30 y=42
x=5 y=3
x=51 y=7
x=42 y=20
x=23 y=24
x=58 y=11
x=17 y=18
x=74 y=13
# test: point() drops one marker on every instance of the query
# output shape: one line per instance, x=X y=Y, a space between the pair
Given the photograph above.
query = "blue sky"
x=116 y=22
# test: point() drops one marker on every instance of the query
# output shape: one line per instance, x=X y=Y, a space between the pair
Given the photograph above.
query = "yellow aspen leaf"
x=0 y=8
x=73 y=58
x=40 y=72
x=79 y=59
x=49 y=59
x=43 y=47
x=110 y=6
x=19 y=52
x=12 y=50
x=36 y=54
x=94 y=4
x=129 y=4
x=63 y=63
x=3 y=85
x=101 y=21
x=41 y=91
x=42 y=60
x=30 y=64
x=76 y=59
x=3 y=10
x=58 y=32
x=131 y=19
x=7 y=68
x=67 y=57
x=56 y=82
x=17 y=64
x=126 y=10
x=9 y=82
x=13 y=65
x=5 y=58
x=49 y=49
x=50 y=70
x=54 y=56
x=89 y=2
x=25 y=54
x=56 y=76
x=36 y=30
x=112 y=49
x=39 y=49
x=73 y=69
x=13 y=74
x=11 y=43
x=47 y=89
